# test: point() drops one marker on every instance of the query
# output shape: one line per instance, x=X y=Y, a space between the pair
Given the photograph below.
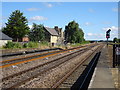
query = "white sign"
x=118 y=50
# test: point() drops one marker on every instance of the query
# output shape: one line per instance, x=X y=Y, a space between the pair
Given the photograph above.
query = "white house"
x=4 y=39
x=54 y=35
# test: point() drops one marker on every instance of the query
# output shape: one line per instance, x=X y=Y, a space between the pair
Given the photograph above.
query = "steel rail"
x=55 y=53
x=10 y=76
x=58 y=83
x=47 y=69
x=54 y=66
x=39 y=54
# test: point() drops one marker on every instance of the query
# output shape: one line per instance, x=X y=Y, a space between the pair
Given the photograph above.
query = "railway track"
x=63 y=81
x=15 y=61
x=12 y=61
x=20 y=78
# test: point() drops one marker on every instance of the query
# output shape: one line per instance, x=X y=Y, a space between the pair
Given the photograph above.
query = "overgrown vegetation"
x=78 y=44
x=31 y=44
x=13 y=45
x=44 y=43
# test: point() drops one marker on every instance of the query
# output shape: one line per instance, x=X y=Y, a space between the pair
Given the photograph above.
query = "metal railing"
x=116 y=55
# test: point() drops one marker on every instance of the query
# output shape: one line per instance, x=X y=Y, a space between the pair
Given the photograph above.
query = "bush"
x=44 y=43
x=30 y=45
x=25 y=45
x=13 y=45
x=17 y=45
x=9 y=45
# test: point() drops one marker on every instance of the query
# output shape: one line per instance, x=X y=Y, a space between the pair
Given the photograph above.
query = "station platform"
x=102 y=76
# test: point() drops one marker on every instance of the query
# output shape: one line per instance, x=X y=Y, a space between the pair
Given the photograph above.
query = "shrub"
x=9 y=44
x=44 y=43
x=25 y=45
x=30 y=45
x=85 y=42
x=13 y=45
x=17 y=45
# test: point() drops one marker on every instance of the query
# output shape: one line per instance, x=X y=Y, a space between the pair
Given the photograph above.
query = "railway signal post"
x=108 y=35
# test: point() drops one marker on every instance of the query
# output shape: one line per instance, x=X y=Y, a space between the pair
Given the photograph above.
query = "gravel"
x=20 y=67
x=50 y=77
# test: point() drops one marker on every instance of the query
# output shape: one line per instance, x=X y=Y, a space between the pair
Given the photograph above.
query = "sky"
x=95 y=18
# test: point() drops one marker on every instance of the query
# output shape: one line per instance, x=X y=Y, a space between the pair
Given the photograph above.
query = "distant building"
x=54 y=35
x=4 y=39
x=25 y=39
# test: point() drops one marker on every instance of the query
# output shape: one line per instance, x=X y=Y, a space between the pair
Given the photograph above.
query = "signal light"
x=108 y=34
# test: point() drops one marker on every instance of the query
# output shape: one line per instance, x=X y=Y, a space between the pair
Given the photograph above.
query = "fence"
x=116 y=55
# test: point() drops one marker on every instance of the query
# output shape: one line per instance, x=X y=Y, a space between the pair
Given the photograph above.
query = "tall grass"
x=78 y=44
x=13 y=45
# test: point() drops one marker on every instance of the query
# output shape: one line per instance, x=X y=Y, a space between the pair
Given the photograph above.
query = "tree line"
x=116 y=40
x=17 y=27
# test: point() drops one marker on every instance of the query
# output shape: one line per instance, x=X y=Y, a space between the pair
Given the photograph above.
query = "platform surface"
x=102 y=76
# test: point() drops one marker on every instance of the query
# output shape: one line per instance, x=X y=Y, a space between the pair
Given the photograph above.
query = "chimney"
x=56 y=27
x=57 y=30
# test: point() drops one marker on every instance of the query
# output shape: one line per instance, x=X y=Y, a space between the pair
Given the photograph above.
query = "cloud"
x=113 y=28
x=95 y=34
x=115 y=9
x=90 y=34
x=30 y=26
x=32 y=9
x=100 y=36
x=106 y=22
x=91 y=10
x=49 y=5
x=38 y=18
x=88 y=23
x=113 y=33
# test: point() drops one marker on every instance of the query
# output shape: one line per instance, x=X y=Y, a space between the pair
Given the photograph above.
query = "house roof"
x=4 y=37
x=52 y=31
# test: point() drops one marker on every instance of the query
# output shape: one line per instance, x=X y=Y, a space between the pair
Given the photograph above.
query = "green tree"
x=115 y=40
x=73 y=33
x=119 y=40
x=17 y=26
x=37 y=33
